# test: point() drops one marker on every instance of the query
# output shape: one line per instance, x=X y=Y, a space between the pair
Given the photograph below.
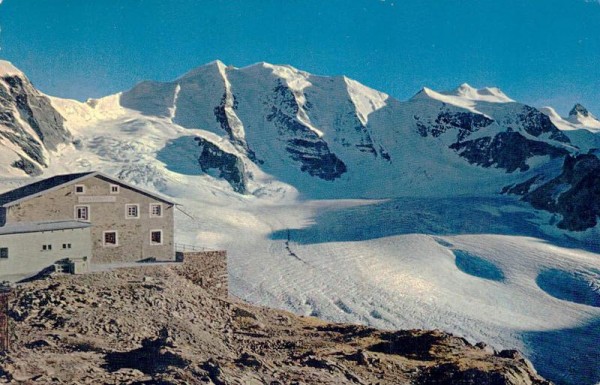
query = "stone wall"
x=207 y=269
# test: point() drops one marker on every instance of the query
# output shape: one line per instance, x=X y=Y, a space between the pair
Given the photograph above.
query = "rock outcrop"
x=28 y=121
x=507 y=150
x=229 y=166
x=151 y=325
x=574 y=194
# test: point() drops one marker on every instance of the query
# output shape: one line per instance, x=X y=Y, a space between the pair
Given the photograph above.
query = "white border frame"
x=127 y=216
x=79 y=185
x=161 y=237
x=114 y=192
x=89 y=212
x=150 y=210
x=104 y=244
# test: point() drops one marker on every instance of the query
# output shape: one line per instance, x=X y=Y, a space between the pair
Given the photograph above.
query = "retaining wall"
x=207 y=269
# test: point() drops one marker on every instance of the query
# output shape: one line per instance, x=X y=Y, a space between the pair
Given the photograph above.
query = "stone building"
x=125 y=223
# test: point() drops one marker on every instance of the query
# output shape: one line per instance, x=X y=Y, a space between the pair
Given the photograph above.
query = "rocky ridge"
x=574 y=194
x=30 y=124
x=151 y=325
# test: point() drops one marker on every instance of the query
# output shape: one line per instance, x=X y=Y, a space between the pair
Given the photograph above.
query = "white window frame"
x=161 y=237
x=127 y=206
x=89 y=212
x=110 y=244
x=152 y=205
x=118 y=189
x=7 y=252
x=82 y=189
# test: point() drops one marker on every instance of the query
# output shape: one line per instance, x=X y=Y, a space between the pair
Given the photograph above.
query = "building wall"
x=26 y=256
x=107 y=213
x=207 y=269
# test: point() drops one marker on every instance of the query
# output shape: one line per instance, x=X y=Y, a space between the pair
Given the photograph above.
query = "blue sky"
x=543 y=52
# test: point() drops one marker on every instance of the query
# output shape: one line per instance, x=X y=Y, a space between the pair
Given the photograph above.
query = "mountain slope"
x=29 y=125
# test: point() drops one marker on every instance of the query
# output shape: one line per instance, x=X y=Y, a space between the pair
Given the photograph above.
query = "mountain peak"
x=465 y=88
x=580 y=117
x=219 y=65
x=550 y=112
x=578 y=109
x=487 y=94
x=8 y=69
x=424 y=93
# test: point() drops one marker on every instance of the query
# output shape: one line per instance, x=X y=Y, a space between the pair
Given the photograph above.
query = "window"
x=114 y=188
x=46 y=247
x=82 y=213
x=110 y=238
x=66 y=245
x=132 y=211
x=156 y=237
x=79 y=189
x=3 y=252
x=155 y=210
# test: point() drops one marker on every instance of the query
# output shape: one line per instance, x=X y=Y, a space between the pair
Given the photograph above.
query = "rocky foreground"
x=152 y=325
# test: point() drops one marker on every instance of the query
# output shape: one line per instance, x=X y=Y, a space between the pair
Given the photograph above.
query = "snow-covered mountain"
x=333 y=137
x=325 y=137
x=287 y=170
x=579 y=119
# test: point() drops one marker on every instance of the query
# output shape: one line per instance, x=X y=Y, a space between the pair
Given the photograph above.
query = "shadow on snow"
x=434 y=216
x=561 y=356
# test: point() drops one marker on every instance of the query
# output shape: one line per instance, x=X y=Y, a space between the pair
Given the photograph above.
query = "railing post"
x=4 y=329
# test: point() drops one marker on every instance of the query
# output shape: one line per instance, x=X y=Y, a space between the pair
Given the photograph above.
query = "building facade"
x=126 y=223
x=28 y=248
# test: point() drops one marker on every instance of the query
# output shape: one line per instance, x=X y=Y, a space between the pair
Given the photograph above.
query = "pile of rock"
x=152 y=325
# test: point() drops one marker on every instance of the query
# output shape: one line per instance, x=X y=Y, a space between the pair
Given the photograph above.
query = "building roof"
x=34 y=189
x=21 y=194
x=36 y=227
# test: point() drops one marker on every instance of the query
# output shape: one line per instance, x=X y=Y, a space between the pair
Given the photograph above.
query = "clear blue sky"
x=538 y=51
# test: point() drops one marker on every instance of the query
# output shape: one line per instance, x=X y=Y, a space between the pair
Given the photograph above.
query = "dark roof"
x=134 y=188
x=36 y=227
x=32 y=190
x=38 y=187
